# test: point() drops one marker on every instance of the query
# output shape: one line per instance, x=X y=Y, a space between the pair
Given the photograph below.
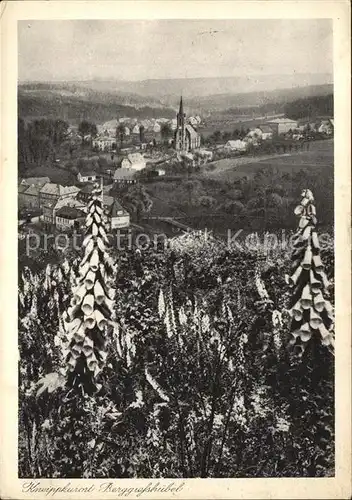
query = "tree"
x=141 y=133
x=166 y=132
x=87 y=128
x=236 y=133
x=137 y=201
x=120 y=133
x=217 y=136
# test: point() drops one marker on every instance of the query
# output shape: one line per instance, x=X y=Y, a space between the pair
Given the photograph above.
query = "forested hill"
x=74 y=110
x=310 y=107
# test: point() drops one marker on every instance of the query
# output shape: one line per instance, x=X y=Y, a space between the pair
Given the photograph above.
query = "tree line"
x=38 y=141
x=310 y=107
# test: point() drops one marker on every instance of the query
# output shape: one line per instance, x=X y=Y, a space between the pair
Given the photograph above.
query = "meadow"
x=320 y=155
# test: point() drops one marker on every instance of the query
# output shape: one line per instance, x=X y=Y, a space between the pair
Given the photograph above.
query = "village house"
x=236 y=145
x=29 y=196
x=157 y=128
x=147 y=124
x=109 y=128
x=104 y=143
x=89 y=176
x=20 y=195
x=282 y=125
x=186 y=137
x=123 y=176
x=156 y=172
x=326 y=127
x=107 y=202
x=266 y=132
x=160 y=172
x=50 y=208
x=54 y=192
x=68 y=217
x=135 y=129
x=118 y=216
x=35 y=181
x=85 y=194
x=206 y=154
x=134 y=161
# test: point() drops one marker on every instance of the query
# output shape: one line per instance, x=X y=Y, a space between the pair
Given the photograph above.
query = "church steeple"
x=180 y=135
x=181 y=108
x=181 y=117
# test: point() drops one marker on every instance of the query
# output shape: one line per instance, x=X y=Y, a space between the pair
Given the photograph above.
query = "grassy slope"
x=320 y=155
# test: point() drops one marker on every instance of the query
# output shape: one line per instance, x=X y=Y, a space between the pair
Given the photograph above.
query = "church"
x=186 y=137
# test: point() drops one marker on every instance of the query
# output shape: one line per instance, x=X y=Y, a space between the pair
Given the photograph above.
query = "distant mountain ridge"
x=171 y=88
x=225 y=102
x=102 y=100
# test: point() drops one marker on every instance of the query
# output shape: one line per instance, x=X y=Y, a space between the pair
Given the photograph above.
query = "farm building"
x=28 y=196
x=206 y=154
x=119 y=217
x=35 y=181
x=104 y=143
x=50 y=208
x=266 y=132
x=124 y=176
x=134 y=161
x=69 y=217
x=282 y=125
x=326 y=127
x=90 y=176
x=54 y=192
x=236 y=145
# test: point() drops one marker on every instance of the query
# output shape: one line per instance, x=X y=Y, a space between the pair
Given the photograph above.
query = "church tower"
x=181 y=129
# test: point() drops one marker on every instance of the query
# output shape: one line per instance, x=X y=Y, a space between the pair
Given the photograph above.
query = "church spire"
x=181 y=107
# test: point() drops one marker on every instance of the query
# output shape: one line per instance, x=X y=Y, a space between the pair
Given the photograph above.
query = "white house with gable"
x=134 y=161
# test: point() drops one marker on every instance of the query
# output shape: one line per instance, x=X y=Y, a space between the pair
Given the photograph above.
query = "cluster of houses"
x=143 y=132
x=65 y=207
x=283 y=127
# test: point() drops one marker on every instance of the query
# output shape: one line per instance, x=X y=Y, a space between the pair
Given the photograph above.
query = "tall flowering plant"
x=91 y=309
x=311 y=310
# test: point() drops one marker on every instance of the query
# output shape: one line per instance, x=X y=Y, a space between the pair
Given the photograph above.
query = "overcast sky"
x=138 y=50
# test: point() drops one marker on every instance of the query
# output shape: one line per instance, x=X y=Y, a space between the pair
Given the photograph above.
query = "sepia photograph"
x=176 y=262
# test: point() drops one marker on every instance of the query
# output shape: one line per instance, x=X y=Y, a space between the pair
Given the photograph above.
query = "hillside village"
x=138 y=152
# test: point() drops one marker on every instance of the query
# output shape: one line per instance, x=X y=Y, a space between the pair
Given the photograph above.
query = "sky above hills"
x=139 y=50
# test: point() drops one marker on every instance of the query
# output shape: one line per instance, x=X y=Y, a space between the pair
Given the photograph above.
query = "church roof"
x=193 y=134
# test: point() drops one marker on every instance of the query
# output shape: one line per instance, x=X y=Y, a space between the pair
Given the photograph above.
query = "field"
x=320 y=155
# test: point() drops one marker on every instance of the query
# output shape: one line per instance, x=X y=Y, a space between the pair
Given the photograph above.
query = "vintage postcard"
x=175 y=195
